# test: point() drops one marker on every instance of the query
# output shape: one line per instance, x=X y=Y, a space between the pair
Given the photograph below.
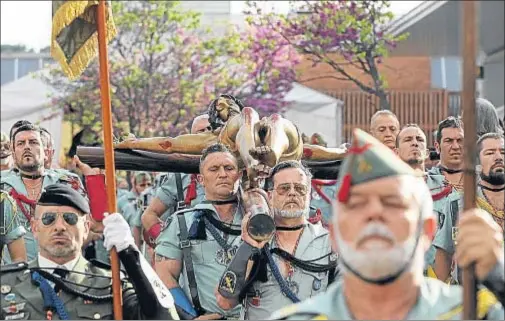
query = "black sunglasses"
x=49 y=218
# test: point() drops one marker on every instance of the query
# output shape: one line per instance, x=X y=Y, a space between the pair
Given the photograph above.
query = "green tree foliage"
x=164 y=70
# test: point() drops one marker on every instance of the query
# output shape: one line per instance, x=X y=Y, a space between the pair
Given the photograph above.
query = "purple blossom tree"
x=164 y=70
x=339 y=34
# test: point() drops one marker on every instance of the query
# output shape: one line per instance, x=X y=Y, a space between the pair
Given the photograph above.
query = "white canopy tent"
x=30 y=98
x=315 y=112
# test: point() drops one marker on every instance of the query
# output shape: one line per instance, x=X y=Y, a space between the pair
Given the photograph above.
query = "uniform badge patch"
x=316 y=285
x=228 y=282
x=224 y=257
x=5 y=289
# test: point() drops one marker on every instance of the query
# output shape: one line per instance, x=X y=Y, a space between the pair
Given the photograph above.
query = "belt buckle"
x=181 y=205
x=184 y=244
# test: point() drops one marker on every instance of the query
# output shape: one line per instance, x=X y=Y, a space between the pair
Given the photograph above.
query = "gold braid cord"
x=498 y=216
x=64 y=16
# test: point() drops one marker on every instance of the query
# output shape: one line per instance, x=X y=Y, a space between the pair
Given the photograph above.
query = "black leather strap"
x=185 y=245
x=233 y=280
x=180 y=192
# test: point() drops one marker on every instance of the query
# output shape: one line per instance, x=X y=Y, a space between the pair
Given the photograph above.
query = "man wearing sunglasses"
x=178 y=191
x=297 y=259
x=61 y=281
x=25 y=182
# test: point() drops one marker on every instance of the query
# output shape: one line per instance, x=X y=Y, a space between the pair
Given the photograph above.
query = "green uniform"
x=436 y=300
x=22 y=298
x=322 y=197
x=11 y=229
x=167 y=193
x=444 y=238
x=266 y=297
x=124 y=200
x=206 y=255
x=441 y=197
x=11 y=180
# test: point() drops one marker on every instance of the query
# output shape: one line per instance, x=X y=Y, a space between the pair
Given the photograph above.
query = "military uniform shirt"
x=20 y=291
x=167 y=193
x=124 y=200
x=11 y=179
x=268 y=297
x=319 y=202
x=205 y=255
x=437 y=301
x=436 y=183
x=11 y=229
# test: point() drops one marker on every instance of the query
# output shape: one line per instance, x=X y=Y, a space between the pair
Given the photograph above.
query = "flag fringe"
x=63 y=17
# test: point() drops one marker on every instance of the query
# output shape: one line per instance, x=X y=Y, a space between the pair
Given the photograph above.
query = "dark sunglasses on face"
x=49 y=218
x=284 y=189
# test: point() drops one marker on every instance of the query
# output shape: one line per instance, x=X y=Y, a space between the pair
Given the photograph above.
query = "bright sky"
x=29 y=22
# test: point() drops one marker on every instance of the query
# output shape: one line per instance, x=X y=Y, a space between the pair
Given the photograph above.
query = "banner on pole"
x=74 y=37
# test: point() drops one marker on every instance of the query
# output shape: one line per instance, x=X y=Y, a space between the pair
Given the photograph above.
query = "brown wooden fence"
x=425 y=108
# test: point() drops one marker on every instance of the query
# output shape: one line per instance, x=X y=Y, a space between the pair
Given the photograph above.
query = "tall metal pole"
x=108 y=149
x=469 y=52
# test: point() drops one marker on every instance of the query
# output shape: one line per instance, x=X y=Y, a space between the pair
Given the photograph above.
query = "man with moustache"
x=382 y=224
x=490 y=198
x=5 y=153
x=297 y=262
x=384 y=126
x=194 y=250
x=411 y=148
x=60 y=283
x=25 y=182
x=178 y=191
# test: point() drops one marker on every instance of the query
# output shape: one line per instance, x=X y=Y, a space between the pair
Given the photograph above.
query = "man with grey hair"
x=382 y=224
x=302 y=266
x=384 y=126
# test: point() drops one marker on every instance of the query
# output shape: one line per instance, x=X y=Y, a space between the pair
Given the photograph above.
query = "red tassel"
x=445 y=191
x=98 y=204
x=343 y=193
x=191 y=192
x=316 y=218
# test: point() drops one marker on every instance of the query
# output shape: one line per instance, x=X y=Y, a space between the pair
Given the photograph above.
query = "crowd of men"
x=369 y=245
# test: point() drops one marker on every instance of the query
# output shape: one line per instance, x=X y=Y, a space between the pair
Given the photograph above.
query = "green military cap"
x=368 y=159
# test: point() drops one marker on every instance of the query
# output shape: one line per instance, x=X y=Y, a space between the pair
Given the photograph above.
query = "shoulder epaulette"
x=14 y=267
